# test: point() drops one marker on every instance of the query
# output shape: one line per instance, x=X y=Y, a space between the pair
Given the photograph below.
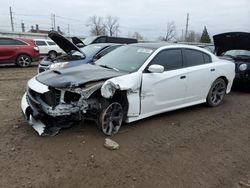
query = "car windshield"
x=126 y=58
x=235 y=53
x=90 y=50
x=89 y=40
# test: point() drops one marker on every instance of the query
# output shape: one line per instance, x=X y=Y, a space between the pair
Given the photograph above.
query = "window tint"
x=169 y=59
x=51 y=43
x=100 y=40
x=207 y=58
x=11 y=42
x=107 y=50
x=40 y=43
x=193 y=57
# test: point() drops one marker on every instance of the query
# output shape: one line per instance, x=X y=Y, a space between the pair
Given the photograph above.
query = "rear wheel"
x=111 y=118
x=216 y=92
x=23 y=60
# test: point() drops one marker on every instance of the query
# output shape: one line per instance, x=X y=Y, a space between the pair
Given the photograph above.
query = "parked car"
x=22 y=52
x=74 y=55
x=128 y=84
x=235 y=46
x=48 y=48
x=107 y=39
x=208 y=47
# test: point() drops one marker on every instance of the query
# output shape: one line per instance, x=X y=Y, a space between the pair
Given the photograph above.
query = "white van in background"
x=48 y=47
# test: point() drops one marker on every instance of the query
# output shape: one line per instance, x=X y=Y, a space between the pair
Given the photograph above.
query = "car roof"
x=152 y=45
x=104 y=44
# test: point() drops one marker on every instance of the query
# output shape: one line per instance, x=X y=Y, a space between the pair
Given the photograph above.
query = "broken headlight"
x=58 y=65
x=71 y=97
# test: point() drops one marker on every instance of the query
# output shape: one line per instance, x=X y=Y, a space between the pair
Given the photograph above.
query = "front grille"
x=33 y=102
x=51 y=98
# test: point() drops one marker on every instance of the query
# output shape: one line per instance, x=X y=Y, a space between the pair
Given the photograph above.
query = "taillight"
x=36 y=48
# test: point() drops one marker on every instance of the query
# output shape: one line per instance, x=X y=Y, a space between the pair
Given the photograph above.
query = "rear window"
x=51 y=43
x=11 y=42
x=40 y=43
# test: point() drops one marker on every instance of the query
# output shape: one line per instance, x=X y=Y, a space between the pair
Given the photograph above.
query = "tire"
x=23 y=60
x=52 y=54
x=216 y=93
x=111 y=118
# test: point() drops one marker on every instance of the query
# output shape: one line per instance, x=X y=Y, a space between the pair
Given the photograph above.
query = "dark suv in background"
x=22 y=52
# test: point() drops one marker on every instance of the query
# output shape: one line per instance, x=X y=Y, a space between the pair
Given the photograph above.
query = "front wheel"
x=23 y=60
x=111 y=118
x=216 y=92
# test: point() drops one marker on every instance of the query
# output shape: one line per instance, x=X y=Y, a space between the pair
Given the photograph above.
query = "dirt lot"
x=192 y=147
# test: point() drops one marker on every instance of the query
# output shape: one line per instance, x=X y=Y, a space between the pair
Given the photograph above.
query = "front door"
x=163 y=91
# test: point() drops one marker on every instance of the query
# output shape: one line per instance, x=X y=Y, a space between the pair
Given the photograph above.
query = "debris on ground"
x=110 y=144
x=244 y=184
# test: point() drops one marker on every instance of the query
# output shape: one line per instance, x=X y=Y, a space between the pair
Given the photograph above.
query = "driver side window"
x=169 y=59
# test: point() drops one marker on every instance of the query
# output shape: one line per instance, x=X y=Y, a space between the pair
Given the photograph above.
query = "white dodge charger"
x=130 y=83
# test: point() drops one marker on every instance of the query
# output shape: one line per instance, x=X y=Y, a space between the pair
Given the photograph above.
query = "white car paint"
x=46 y=48
x=163 y=92
x=153 y=93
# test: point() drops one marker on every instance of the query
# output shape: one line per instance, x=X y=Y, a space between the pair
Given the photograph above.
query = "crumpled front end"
x=50 y=109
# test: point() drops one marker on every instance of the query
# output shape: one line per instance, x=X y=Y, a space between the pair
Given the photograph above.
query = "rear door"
x=43 y=47
x=9 y=49
x=200 y=73
x=162 y=91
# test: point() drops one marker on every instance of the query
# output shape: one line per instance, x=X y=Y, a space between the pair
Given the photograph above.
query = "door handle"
x=182 y=77
x=212 y=70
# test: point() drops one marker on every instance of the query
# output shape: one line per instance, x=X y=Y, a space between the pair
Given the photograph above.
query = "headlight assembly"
x=58 y=65
x=243 y=67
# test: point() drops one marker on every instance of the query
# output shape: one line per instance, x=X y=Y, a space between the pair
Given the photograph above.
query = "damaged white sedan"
x=133 y=82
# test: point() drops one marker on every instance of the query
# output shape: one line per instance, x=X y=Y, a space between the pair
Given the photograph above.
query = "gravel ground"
x=192 y=147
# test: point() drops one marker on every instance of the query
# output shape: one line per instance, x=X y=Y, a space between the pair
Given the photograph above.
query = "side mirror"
x=156 y=68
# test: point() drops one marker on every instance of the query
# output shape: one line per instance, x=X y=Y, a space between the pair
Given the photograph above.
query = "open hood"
x=63 y=42
x=76 y=76
x=77 y=41
x=231 y=41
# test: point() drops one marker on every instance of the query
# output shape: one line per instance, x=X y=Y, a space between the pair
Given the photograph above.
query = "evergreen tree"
x=205 y=38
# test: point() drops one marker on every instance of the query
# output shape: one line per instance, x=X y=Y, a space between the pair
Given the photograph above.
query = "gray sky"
x=149 y=17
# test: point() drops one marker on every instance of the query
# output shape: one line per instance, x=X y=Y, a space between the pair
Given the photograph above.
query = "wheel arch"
x=224 y=78
x=23 y=54
x=121 y=97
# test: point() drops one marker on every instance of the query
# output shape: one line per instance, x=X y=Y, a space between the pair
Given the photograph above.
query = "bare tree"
x=137 y=35
x=171 y=31
x=112 y=25
x=193 y=37
x=97 y=27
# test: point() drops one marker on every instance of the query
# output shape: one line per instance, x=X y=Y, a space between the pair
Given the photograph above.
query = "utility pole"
x=11 y=20
x=186 y=32
x=182 y=39
x=51 y=18
x=54 y=21
x=23 y=27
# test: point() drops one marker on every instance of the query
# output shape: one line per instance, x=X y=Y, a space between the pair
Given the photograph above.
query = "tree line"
x=109 y=25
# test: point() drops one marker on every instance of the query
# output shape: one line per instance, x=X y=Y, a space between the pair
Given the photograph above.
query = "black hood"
x=76 y=76
x=231 y=41
x=77 y=41
x=62 y=42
